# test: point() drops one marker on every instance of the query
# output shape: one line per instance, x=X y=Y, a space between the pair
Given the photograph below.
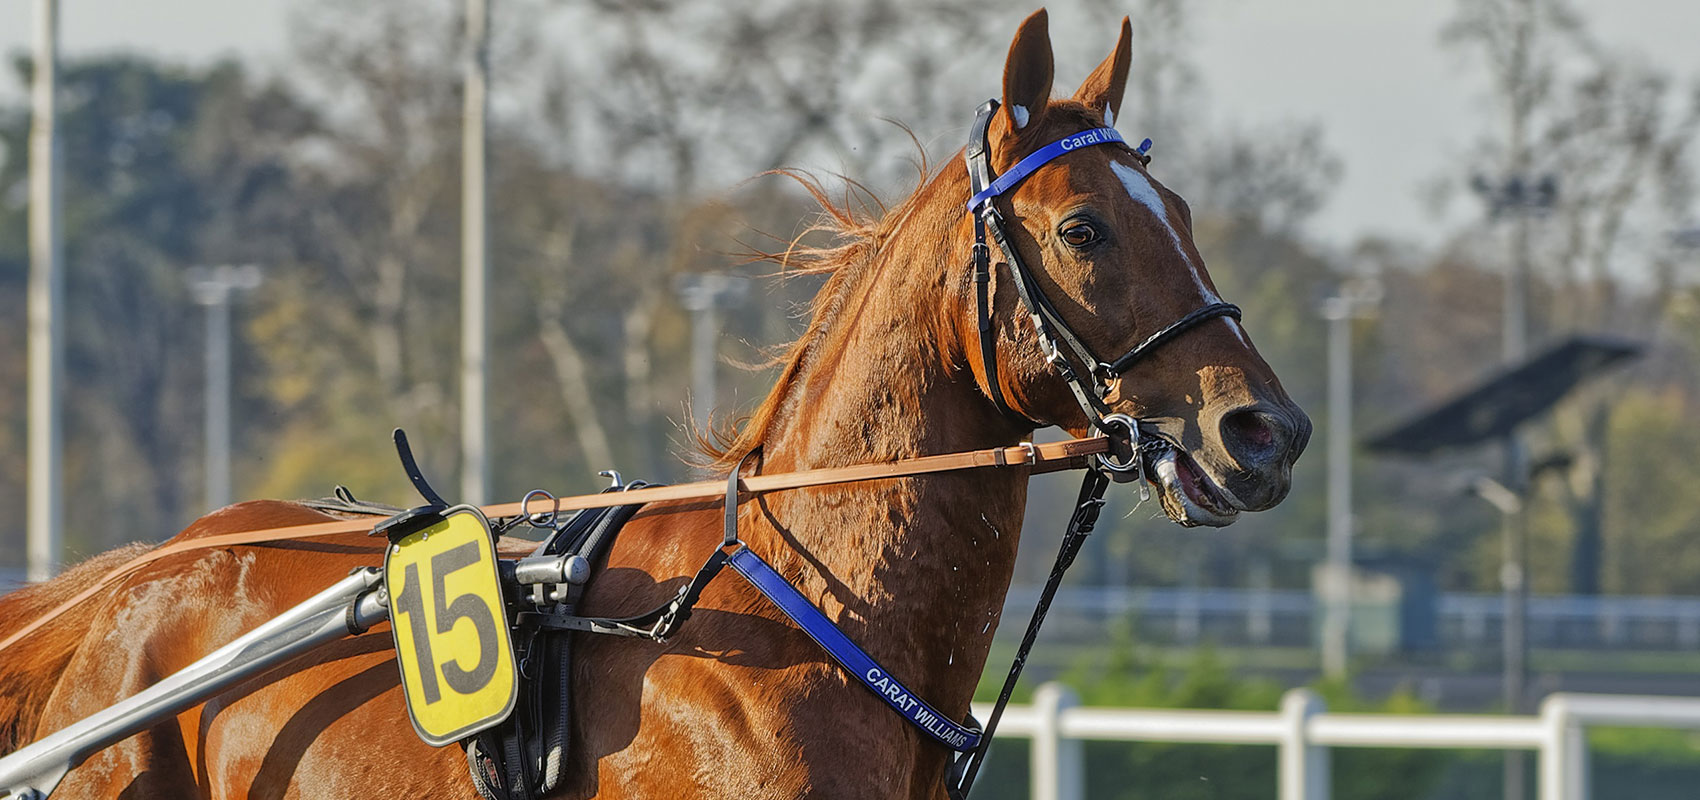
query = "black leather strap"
x=663 y=621
x=979 y=177
x=731 y=510
x=1086 y=507
x=1175 y=328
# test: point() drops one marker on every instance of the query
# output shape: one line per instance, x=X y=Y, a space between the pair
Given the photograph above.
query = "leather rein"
x=1039 y=458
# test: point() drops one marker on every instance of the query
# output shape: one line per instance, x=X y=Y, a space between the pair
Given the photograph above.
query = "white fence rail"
x=1304 y=732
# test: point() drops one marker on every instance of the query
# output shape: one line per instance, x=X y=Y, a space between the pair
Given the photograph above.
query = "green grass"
x=1058 y=658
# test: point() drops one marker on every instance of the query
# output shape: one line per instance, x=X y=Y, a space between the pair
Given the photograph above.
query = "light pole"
x=213 y=288
x=1357 y=298
x=475 y=250
x=704 y=295
x=46 y=502
x=1519 y=197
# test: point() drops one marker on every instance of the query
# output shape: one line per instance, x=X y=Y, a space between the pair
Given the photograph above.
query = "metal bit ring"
x=1133 y=464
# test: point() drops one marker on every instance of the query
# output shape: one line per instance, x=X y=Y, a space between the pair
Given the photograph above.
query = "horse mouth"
x=1188 y=495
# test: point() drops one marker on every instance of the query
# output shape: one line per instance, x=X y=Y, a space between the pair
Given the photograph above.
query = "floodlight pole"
x=1356 y=299
x=213 y=289
x=1521 y=197
x=475 y=250
x=46 y=298
x=1514 y=564
x=704 y=295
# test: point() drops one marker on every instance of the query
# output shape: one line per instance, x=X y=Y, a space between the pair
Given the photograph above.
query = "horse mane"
x=29 y=676
x=856 y=229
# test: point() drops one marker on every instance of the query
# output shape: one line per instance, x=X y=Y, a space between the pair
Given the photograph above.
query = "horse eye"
x=1080 y=234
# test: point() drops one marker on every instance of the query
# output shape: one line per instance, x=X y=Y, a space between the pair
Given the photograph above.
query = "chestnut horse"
x=741 y=703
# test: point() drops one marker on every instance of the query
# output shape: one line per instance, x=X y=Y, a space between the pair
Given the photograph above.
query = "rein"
x=1040 y=458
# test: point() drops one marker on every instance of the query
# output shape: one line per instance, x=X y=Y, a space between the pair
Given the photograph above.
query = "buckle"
x=1029 y=455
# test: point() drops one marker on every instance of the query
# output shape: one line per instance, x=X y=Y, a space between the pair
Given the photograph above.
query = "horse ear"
x=1027 y=72
x=1103 y=89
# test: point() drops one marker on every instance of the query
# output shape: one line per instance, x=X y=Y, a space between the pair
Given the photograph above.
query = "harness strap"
x=665 y=620
x=852 y=658
x=1051 y=326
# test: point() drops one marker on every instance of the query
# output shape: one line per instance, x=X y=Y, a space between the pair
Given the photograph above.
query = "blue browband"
x=1040 y=157
x=853 y=659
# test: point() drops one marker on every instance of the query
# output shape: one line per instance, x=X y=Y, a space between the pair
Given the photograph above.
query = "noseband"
x=1054 y=331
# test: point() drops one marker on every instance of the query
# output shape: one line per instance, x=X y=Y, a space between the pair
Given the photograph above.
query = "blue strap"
x=1067 y=144
x=854 y=660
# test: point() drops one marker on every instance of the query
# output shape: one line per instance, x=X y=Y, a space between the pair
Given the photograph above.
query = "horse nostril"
x=1254 y=435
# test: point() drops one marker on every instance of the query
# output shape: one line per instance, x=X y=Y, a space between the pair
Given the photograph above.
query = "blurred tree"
x=1618 y=144
x=164 y=169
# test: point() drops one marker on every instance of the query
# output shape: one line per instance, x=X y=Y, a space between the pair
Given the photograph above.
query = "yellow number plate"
x=451 y=631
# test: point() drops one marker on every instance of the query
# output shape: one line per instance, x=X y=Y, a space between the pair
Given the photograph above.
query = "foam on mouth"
x=1189 y=496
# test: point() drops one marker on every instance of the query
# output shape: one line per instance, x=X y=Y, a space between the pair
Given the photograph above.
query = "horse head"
x=1110 y=249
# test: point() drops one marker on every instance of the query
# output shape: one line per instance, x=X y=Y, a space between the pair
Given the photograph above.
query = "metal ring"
x=1133 y=464
x=538 y=520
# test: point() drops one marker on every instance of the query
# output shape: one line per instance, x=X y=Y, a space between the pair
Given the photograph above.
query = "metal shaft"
x=704 y=296
x=46 y=299
x=318 y=621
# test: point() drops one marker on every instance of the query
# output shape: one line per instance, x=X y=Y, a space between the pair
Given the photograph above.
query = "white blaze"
x=1142 y=191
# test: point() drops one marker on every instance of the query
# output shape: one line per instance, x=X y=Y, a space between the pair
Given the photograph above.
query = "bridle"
x=1055 y=334
x=1087 y=376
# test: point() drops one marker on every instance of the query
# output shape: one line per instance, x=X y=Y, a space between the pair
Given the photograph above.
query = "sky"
x=1393 y=104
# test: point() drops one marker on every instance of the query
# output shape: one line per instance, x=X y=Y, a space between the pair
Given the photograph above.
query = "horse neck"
x=915 y=570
